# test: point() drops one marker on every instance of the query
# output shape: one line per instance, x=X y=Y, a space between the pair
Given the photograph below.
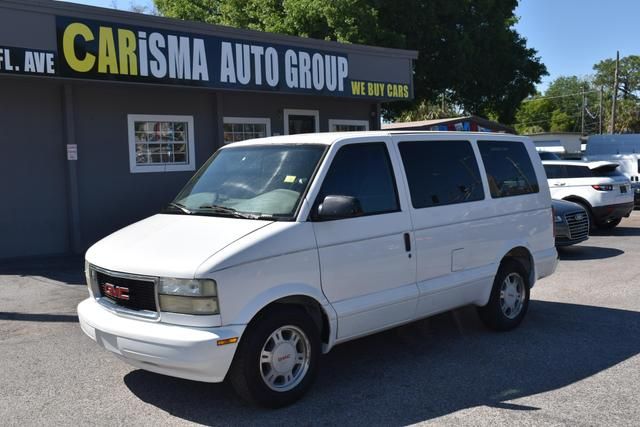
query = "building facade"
x=104 y=115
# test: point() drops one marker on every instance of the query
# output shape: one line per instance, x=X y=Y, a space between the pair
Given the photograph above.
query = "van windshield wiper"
x=229 y=211
x=181 y=207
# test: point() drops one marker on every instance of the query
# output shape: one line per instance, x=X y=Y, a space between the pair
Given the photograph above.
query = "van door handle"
x=560 y=184
x=407 y=242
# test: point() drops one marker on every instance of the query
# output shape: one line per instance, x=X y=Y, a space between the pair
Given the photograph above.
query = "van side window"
x=363 y=171
x=441 y=172
x=508 y=167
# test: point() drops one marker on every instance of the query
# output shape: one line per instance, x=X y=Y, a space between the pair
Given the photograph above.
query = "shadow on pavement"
x=425 y=370
x=38 y=317
x=582 y=253
x=618 y=231
x=65 y=269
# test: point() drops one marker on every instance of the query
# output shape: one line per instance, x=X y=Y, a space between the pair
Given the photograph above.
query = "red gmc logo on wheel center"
x=117 y=292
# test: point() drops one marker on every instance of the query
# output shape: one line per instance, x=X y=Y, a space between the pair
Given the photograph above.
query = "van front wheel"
x=276 y=361
x=509 y=297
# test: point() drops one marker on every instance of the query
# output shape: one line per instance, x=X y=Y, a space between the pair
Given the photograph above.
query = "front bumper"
x=563 y=235
x=179 y=351
x=609 y=212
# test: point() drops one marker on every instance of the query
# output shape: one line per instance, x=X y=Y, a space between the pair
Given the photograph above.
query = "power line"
x=559 y=96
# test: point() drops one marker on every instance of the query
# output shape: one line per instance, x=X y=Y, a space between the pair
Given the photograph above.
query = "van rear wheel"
x=277 y=359
x=509 y=299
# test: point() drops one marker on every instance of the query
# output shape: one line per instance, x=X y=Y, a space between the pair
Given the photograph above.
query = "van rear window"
x=509 y=168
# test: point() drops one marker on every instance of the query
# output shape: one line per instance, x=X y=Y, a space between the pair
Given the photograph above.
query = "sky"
x=569 y=35
x=573 y=35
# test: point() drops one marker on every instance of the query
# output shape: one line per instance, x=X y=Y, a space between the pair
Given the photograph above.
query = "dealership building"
x=105 y=115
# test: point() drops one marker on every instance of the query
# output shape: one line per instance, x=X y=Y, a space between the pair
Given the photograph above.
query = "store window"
x=241 y=128
x=161 y=143
x=301 y=121
x=348 y=125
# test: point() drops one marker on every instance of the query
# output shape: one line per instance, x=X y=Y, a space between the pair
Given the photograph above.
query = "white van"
x=280 y=248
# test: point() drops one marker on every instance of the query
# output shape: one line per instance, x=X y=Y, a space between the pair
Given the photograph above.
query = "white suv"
x=599 y=187
x=280 y=248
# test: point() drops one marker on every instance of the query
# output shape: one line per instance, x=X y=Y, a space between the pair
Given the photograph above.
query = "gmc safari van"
x=280 y=248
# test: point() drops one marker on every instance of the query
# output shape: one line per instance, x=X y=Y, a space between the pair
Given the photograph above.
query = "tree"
x=534 y=115
x=467 y=48
x=628 y=75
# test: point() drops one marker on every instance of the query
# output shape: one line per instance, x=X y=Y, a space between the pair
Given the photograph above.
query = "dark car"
x=571 y=223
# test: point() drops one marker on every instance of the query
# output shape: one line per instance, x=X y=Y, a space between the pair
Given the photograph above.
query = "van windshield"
x=255 y=182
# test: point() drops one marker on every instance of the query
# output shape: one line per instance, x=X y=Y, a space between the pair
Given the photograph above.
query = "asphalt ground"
x=573 y=361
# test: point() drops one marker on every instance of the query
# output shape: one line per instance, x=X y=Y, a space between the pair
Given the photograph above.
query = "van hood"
x=169 y=245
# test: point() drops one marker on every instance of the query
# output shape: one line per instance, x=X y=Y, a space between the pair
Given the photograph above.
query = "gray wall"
x=110 y=196
x=33 y=195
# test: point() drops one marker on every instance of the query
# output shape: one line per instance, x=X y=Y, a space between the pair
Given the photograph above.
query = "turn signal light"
x=228 y=341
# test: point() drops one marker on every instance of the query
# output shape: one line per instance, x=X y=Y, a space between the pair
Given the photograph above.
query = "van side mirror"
x=338 y=207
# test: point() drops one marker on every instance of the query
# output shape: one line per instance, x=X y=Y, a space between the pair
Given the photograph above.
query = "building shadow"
x=425 y=370
x=38 y=317
x=583 y=253
x=64 y=269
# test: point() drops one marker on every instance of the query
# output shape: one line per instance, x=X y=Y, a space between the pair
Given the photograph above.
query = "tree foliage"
x=560 y=109
x=467 y=48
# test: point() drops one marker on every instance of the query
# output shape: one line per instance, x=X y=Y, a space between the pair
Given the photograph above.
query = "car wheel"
x=509 y=299
x=277 y=358
x=609 y=225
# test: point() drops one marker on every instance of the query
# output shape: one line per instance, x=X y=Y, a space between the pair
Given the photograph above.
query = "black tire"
x=609 y=225
x=492 y=314
x=246 y=372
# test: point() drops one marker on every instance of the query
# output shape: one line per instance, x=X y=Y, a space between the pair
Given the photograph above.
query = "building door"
x=301 y=121
x=33 y=217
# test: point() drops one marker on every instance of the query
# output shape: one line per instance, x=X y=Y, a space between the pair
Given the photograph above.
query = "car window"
x=555 y=171
x=363 y=171
x=545 y=155
x=441 y=172
x=508 y=167
x=579 y=172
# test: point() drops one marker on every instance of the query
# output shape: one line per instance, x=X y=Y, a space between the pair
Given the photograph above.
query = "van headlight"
x=188 y=296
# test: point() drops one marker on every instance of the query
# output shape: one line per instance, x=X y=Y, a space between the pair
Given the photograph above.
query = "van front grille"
x=133 y=294
x=578 y=225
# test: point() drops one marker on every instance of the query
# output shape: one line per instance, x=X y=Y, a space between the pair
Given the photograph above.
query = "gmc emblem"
x=117 y=292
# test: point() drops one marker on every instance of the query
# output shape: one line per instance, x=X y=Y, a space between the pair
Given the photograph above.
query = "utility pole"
x=615 y=94
x=600 y=112
x=584 y=102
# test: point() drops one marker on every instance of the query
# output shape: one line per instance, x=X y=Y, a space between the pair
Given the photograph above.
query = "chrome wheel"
x=512 y=295
x=285 y=358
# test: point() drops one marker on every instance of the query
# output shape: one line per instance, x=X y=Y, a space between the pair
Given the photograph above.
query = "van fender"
x=506 y=248
x=273 y=294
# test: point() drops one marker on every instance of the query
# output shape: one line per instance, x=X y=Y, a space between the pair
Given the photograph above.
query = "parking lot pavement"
x=573 y=361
